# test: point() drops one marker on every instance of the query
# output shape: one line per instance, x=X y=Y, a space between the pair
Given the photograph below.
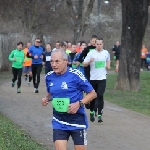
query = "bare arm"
x=73 y=108
x=108 y=64
x=85 y=64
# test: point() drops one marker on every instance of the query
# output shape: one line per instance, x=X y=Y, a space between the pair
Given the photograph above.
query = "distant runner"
x=17 y=59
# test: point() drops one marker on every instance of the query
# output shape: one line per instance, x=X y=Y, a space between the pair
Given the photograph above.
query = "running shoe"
x=100 y=118
x=36 y=91
x=92 y=118
x=18 y=90
x=13 y=84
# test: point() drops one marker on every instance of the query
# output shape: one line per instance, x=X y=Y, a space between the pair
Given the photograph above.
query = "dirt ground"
x=122 y=129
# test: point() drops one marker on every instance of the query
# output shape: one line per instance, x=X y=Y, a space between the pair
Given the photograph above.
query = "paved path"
x=122 y=129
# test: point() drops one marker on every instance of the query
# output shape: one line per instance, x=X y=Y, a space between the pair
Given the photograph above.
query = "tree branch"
x=70 y=6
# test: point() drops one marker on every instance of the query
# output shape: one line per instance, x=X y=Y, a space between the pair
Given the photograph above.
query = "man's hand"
x=36 y=56
x=91 y=60
x=14 y=59
x=41 y=56
x=44 y=101
x=73 y=108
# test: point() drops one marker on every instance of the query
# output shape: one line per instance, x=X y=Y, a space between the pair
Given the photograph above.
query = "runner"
x=144 y=51
x=72 y=56
x=27 y=69
x=65 y=87
x=83 y=55
x=63 y=45
x=57 y=45
x=80 y=66
x=47 y=58
x=36 y=52
x=17 y=59
x=99 y=60
x=116 y=51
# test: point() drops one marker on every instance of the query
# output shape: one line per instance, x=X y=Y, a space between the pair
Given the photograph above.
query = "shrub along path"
x=122 y=129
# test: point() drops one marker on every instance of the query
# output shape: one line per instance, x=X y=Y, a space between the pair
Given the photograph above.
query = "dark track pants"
x=17 y=73
x=99 y=87
x=36 y=71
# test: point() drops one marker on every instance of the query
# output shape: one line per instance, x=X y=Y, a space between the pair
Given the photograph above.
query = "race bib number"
x=48 y=58
x=100 y=64
x=61 y=104
x=74 y=66
x=114 y=57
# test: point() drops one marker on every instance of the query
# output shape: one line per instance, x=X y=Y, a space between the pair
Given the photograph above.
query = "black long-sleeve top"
x=81 y=59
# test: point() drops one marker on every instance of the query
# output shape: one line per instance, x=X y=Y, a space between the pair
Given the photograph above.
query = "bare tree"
x=134 y=21
x=80 y=11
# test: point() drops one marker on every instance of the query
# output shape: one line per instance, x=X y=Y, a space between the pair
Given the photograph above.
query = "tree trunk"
x=134 y=21
x=78 y=21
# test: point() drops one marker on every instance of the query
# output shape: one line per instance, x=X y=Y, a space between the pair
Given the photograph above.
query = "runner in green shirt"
x=17 y=59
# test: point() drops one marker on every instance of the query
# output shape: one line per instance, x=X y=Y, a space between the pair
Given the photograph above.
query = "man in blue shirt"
x=36 y=53
x=65 y=87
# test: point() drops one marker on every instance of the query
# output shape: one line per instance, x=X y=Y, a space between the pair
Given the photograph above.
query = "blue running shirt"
x=36 y=51
x=69 y=85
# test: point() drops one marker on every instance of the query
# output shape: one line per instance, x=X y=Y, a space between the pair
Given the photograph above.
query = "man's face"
x=48 y=47
x=83 y=46
x=99 y=44
x=37 y=42
x=69 y=45
x=57 y=45
x=93 y=41
x=28 y=45
x=117 y=43
x=58 y=64
x=19 y=47
x=73 y=49
x=63 y=47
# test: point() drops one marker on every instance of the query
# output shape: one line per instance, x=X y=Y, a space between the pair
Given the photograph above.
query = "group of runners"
x=75 y=76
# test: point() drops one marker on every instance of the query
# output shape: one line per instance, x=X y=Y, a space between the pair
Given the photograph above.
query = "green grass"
x=136 y=101
x=13 y=138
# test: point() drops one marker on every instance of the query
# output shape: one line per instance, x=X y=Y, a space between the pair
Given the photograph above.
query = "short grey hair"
x=63 y=52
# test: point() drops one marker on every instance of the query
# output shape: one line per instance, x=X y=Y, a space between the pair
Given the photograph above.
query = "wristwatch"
x=80 y=103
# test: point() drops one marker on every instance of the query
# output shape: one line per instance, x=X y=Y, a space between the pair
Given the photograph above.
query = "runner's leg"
x=39 y=69
x=100 y=99
x=14 y=71
x=34 y=70
x=19 y=74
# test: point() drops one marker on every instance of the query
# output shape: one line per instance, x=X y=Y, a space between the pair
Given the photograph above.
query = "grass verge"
x=11 y=136
x=136 y=101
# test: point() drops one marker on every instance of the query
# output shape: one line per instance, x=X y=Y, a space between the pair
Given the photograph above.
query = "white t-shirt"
x=98 y=66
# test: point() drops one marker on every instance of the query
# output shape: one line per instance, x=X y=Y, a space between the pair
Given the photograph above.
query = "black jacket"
x=81 y=58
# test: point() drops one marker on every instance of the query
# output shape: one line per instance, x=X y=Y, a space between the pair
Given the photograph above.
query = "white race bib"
x=48 y=58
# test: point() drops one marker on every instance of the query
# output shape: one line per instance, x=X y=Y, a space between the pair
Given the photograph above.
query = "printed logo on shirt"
x=77 y=72
x=64 y=85
x=51 y=84
x=49 y=73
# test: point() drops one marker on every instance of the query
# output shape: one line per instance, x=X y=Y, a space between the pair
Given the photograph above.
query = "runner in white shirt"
x=99 y=60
